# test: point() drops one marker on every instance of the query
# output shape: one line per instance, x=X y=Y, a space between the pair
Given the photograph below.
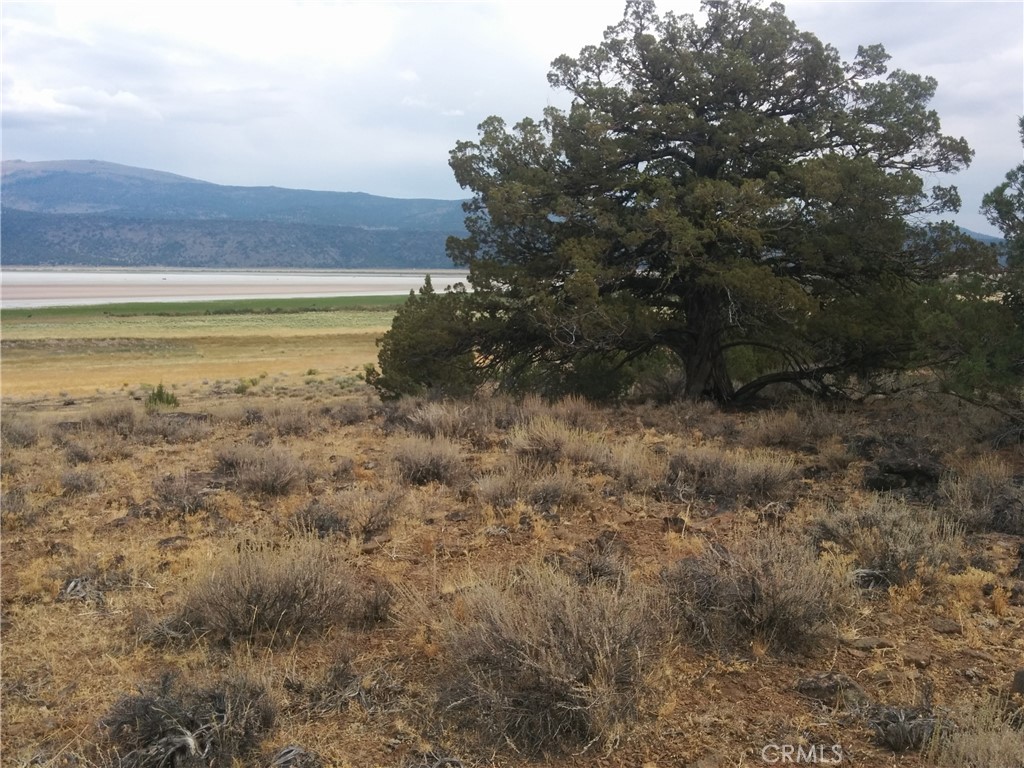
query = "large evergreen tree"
x=728 y=192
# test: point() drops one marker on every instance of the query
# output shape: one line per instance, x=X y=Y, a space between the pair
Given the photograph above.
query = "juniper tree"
x=728 y=192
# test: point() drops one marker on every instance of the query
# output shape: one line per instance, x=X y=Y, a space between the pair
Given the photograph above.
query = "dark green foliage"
x=973 y=323
x=161 y=397
x=729 y=193
x=429 y=348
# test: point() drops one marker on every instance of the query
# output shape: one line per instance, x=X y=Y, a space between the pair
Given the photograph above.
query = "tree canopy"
x=729 y=193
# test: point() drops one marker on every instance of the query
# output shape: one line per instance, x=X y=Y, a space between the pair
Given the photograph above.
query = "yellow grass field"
x=79 y=353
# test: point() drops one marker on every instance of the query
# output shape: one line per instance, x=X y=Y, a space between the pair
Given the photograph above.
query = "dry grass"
x=545 y=439
x=756 y=475
x=174 y=724
x=268 y=470
x=539 y=663
x=274 y=592
x=774 y=590
x=19 y=431
x=983 y=496
x=422 y=460
x=983 y=736
x=573 y=656
x=892 y=542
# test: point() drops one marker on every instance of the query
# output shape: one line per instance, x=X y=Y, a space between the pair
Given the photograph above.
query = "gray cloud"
x=372 y=97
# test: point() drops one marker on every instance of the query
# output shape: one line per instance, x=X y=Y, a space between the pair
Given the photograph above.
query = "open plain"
x=260 y=563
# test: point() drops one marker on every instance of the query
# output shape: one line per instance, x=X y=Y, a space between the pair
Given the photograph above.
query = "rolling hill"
x=92 y=213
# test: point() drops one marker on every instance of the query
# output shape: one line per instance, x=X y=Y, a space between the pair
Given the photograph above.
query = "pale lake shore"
x=31 y=288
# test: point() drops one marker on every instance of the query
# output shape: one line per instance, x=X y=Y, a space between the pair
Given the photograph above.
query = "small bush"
x=774 y=590
x=74 y=482
x=266 y=470
x=278 y=592
x=76 y=453
x=544 y=664
x=524 y=481
x=546 y=440
x=122 y=420
x=983 y=496
x=186 y=725
x=161 y=398
x=360 y=514
x=633 y=464
x=435 y=419
x=892 y=542
x=981 y=737
x=182 y=494
x=422 y=460
x=19 y=432
x=793 y=429
x=750 y=475
x=290 y=419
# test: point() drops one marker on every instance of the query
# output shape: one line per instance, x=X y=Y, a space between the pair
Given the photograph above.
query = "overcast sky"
x=371 y=96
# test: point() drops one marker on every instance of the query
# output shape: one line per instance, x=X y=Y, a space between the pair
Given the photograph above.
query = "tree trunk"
x=707 y=374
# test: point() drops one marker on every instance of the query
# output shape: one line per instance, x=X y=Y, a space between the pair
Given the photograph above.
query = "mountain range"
x=93 y=213
x=99 y=214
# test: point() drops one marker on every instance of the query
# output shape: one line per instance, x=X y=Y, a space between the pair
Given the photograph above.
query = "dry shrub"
x=634 y=465
x=76 y=453
x=543 y=664
x=290 y=419
x=19 y=431
x=984 y=736
x=892 y=542
x=358 y=514
x=442 y=419
x=267 y=470
x=794 y=429
x=277 y=592
x=537 y=485
x=735 y=474
x=347 y=414
x=546 y=440
x=121 y=420
x=183 y=494
x=177 y=427
x=15 y=509
x=422 y=460
x=775 y=590
x=983 y=496
x=185 y=725
x=77 y=481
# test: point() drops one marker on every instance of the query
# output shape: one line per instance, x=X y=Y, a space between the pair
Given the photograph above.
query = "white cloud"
x=372 y=95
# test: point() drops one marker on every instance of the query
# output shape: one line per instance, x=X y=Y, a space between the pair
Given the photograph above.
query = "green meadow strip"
x=267 y=306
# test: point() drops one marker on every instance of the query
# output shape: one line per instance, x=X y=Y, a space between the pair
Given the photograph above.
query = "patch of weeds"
x=982 y=736
x=275 y=593
x=179 y=725
x=357 y=514
x=15 y=510
x=182 y=494
x=161 y=397
x=796 y=430
x=267 y=470
x=422 y=460
x=289 y=419
x=757 y=475
x=983 y=496
x=633 y=465
x=774 y=590
x=546 y=440
x=546 y=665
x=76 y=453
x=892 y=542
x=437 y=419
x=74 y=482
x=121 y=420
x=19 y=431
x=178 y=427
